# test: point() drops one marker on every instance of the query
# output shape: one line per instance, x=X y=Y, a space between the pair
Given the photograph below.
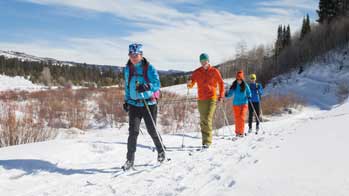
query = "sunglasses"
x=133 y=55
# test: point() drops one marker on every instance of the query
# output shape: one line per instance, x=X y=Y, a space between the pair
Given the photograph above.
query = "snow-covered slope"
x=24 y=56
x=318 y=84
x=17 y=83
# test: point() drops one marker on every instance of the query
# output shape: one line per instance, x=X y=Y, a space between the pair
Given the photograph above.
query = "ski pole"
x=154 y=124
x=226 y=118
x=255 y=113
x=224 y=123
x=185 y=110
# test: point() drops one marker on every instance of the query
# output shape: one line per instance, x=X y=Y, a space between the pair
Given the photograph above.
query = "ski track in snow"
x=87 y=166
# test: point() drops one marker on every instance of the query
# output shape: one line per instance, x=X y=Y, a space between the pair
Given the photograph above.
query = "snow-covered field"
x=302 y=154
x=17 y=83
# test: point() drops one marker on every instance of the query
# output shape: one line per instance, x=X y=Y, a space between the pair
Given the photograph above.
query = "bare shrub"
x=46 y=76
x=278 y=104
x=109 y=101
x=342 y=91
x=22 y=129
x=176 y=112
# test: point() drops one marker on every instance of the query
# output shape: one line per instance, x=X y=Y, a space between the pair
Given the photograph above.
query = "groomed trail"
x=300 y=154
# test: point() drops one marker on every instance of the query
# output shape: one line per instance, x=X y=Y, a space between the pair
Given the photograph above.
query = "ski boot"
x=205 y=146
x=128 y=165
x=240 y=135
x=161 y=157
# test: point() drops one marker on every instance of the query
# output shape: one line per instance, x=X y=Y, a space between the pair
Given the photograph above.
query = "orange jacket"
x=207 y=81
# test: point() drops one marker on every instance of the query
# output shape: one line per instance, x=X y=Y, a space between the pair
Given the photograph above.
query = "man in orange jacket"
x=207 y=78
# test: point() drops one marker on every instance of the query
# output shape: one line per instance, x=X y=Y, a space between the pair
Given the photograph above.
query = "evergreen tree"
x=328 y=10
x=322 y=11
x=306 y=28
x=279 y=41
x=342 y=7
x=288 y=36
x=284 y=37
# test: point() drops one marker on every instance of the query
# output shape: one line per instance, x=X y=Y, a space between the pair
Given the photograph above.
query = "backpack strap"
x=131 y=68
x=145 y=65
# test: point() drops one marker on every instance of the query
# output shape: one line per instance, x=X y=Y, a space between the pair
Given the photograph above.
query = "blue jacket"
x=257 y=92
x=131 y=95
x=240 y=98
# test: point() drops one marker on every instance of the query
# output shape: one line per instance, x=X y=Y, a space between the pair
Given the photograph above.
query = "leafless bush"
x=342 y=91
x=278 y=104
x=24 y=128
x=176 y=112
x=109 y=105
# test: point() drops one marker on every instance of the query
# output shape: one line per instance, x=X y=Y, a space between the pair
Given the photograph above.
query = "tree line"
x=61 y=75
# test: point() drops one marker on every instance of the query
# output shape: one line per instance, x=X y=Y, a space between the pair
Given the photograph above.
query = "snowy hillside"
x=17 y=83
x=22 y=56
x=318 y=83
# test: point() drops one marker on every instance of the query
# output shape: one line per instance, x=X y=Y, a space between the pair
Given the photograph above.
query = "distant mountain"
x=117 y=69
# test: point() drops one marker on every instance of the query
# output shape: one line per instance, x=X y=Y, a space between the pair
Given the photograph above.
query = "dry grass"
x=278 y=104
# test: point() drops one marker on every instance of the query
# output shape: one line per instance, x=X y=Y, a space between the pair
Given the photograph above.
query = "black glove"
x=142 y=88
x=126 y=107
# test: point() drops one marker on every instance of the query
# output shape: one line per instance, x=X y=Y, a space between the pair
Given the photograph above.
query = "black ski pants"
x=136 y=114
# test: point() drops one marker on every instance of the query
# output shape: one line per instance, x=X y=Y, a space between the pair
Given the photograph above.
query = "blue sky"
x=174 y=32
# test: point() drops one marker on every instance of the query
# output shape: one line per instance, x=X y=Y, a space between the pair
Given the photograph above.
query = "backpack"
x=145 y=64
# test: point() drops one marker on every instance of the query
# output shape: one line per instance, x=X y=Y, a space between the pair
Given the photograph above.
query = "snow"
x=299 y=154
x=312 y=161
x=178 y=89
x=17 y=83
x=22 y=56
x=303 y=153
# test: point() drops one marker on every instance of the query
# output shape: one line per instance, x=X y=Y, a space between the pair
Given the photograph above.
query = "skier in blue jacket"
x=242 y=94
x=142 y=83
x=254 y=104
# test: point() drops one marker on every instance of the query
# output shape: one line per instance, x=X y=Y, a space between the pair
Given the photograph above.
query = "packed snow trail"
x=302 y=154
